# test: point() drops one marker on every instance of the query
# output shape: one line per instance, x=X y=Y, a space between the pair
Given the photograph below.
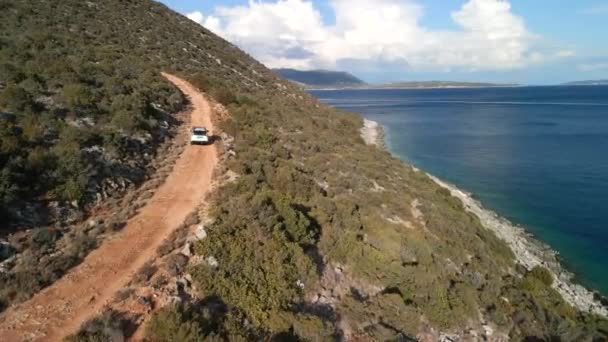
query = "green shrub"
x=174 y=323
x=73 y=190
x=201 y=81
x=229 y=127
x=223 y=96
x=107 y=327
x=542 y=274
x=128 y=121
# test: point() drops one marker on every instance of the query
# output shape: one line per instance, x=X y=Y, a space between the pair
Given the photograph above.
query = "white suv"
x=199 y=136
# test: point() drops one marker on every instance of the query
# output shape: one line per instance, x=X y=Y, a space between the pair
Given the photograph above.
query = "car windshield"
x=199 y=131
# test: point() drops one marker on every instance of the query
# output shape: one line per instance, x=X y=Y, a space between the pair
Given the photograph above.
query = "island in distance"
x=326 y=79
x=586 y=83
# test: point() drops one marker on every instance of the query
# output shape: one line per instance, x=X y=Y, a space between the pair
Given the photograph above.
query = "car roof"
x=199 y=129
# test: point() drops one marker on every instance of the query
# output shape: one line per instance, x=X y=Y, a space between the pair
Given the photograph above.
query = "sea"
x=537 y=156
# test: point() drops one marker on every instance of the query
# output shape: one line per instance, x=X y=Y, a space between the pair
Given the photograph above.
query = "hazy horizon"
x=446 y=79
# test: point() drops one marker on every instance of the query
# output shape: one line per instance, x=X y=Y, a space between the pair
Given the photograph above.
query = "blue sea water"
x=536 y=155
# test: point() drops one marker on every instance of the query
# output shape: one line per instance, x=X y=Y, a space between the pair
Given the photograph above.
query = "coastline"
x=528 y=251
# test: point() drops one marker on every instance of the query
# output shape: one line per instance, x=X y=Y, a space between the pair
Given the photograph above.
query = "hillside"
x=588 y=82
x=310 y=233
x=321 y=78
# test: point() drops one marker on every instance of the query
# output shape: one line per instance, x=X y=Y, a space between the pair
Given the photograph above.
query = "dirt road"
x=60 y=309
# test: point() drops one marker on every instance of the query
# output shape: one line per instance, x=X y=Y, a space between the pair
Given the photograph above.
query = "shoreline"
x=528 y=251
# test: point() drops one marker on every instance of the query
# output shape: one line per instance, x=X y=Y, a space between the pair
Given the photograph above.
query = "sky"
x=516 y=41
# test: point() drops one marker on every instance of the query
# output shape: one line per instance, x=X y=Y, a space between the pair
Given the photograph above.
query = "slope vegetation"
x=61 y=308
x=317 y=235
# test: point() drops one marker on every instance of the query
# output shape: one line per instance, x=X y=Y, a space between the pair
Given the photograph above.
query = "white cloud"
x=211 y=23
x=291 y=33
x=565 y=53
x=592 y=67
x=196 y=16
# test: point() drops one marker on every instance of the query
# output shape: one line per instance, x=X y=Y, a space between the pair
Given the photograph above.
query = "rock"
x=200 y=233
x=6 y=250
x=81 y=122
x=55 y=209
x=488 y=330
x=143 y=139
x=196 y=260
x=448 y=338
x=408 y=256
x=175 y=300
x=7 y=264
x=73 y=216
x=475 y=278
x=93 y=223
x=521 y=269
x=146 y=302
x=95 y=149
x=598 y=297
x=182 y=283
x=187 y=250
x=426 y=333
x=212 y=261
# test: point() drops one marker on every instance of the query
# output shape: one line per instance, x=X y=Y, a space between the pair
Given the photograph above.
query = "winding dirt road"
x=60 y=309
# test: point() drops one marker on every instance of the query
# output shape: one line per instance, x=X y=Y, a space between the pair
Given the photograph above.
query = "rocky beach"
x=528 y=251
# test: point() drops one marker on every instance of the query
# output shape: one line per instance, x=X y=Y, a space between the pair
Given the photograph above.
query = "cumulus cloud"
x=211 y=23
x=292 y=33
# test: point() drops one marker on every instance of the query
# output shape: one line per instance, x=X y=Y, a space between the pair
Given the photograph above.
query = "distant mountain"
x=587 y=82
x=440 y=84
x=315 y=79
x=321 y=78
